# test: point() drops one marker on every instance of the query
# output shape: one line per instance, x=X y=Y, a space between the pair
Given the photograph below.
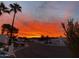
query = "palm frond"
x=0 y=13
x=11 y=5
x=15 y=7
x=6 y=11
x=11 y=10
x=2 y=4
x=19 y=10
x=3 y=8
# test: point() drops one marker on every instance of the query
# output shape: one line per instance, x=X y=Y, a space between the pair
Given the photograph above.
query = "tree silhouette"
x=15 y=8
x=7 y=28
x=3 y=8
x=10 y=29
x=72 y=33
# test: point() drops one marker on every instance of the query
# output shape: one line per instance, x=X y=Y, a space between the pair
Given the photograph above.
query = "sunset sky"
x=42 y=18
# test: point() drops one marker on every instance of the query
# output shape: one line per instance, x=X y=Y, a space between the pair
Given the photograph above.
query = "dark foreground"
x=36 y=50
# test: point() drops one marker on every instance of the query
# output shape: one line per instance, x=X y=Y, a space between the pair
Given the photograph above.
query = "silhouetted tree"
x=46 y=39
x=72 y=33
x=15 y=8
x=7 y=28
x=3 y=8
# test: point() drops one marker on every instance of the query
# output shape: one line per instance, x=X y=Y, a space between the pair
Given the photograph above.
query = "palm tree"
x=15 y=8
x=3 y=8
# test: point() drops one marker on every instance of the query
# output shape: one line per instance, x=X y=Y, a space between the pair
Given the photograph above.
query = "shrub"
x=72 y=33
x=1 y=45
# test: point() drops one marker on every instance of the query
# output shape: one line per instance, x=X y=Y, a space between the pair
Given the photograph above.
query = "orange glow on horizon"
x=34 y=28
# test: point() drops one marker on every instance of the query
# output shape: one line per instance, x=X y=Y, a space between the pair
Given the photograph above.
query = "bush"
x=72 y=33
x=1 y=45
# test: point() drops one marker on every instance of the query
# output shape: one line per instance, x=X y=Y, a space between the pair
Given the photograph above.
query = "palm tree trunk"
x=11 y=34
x=13 y=24
x=11 y=47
